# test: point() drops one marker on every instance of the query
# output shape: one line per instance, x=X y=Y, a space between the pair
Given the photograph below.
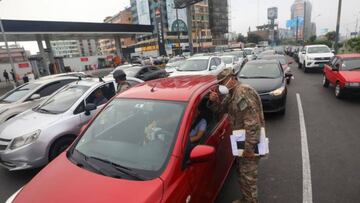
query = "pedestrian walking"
x=6 y=76
x=244 y=107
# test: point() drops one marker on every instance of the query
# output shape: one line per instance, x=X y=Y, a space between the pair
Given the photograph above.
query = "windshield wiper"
x=122 y=169
x=85 y=158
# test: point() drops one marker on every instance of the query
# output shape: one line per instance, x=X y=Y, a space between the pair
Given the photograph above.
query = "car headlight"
x=25 y=139
x=310 y=58
x=353 y=84
x=13 y=196
x=278 y=91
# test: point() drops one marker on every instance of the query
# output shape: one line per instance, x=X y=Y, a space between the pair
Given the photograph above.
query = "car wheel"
x=282 y=112
x=288 y=81
x=325 y=81
x=305 y=68
x=338 y=91
x=59 y=146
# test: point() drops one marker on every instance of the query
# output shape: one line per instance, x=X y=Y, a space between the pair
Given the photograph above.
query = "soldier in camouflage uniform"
x=244 y=106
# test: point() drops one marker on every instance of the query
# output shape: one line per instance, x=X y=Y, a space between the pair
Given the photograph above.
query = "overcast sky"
x=244 y=12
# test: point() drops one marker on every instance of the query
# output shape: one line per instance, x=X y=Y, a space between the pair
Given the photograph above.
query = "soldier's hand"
x=248 y=154
x=214 y=97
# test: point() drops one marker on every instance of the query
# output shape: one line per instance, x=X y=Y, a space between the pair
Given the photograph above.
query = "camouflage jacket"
x=245 y=111
x=123 y=87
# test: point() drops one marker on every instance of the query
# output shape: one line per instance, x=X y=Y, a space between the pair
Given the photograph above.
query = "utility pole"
x=297 y=29
x=189 y=22
x=178 y=31
x=8 y=51
x=338 y=27
x=304 y=29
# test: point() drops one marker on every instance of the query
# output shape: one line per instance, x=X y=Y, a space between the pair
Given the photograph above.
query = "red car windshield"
x=137 y=135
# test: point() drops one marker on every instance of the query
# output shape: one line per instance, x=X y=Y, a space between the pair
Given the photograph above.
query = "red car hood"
x=62 y=181
x=351 y=76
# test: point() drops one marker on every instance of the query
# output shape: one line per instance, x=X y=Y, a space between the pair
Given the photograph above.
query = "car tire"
x=339 y=93
x=59 y=146
x=325 y=81
x=300 y=65
x=306 y=70
x=282 y=112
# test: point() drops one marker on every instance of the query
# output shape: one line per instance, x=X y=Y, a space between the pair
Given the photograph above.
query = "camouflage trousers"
x=247 y=169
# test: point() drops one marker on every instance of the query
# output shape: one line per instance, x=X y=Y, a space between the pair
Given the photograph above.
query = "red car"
x=343 y=72
x=138 y=149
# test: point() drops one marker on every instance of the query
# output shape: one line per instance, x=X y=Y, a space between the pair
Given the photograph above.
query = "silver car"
x=29 y=95
x=37 y=136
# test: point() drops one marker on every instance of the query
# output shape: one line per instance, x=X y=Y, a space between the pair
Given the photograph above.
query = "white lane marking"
x=307 y=188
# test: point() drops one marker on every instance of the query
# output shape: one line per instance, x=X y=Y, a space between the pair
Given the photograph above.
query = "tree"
x=254 y=38
x=241 y=38
x=354 y=44
x=331 y=36
x=312 y=38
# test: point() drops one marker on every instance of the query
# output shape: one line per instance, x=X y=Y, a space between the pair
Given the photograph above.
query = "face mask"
x=223 y=90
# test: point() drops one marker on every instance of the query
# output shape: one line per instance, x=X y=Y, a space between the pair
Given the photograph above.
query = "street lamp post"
x=338 y=27
x=8 y=51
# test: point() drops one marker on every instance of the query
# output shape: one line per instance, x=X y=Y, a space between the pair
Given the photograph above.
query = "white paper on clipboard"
x=240 y=135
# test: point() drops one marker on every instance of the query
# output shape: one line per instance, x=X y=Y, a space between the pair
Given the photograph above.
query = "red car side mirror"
x=202 y=153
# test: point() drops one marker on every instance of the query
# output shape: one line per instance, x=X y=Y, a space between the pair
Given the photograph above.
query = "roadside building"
x=107 y=46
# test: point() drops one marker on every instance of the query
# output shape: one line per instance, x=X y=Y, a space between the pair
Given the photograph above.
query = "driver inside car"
x=199 y=127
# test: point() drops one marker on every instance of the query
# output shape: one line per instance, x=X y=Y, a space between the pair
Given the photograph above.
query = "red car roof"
x=179 y=88
x=347 y=56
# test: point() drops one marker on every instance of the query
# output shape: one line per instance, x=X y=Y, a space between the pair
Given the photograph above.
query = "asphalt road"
x=333 y=134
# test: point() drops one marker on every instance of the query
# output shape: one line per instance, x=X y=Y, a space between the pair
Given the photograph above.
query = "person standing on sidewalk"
x=6 y=76
x=244 y=107
x=12 y=74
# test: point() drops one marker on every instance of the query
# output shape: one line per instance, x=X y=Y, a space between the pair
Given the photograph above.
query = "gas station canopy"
x=23 y=30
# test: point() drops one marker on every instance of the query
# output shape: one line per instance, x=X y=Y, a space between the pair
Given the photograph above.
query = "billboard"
x=173 y=21
x=272 y=13
x=299 y=21
x=143 y=11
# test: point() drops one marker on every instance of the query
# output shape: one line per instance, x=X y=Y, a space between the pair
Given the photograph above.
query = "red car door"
x=206 y=178
x=330 y=74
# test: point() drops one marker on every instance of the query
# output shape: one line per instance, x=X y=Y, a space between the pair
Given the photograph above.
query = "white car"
x=37 y=136
x=200 y=65
x=232 y=62
x=250 y=53
x=314 y=57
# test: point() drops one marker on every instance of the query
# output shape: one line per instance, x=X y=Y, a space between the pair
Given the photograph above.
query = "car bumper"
x=316 y=64
x=352 y=90
x=29 y=156
x=272 y=104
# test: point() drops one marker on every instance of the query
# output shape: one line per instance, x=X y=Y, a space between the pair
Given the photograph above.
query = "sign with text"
x=23 y=65
x=84 y=59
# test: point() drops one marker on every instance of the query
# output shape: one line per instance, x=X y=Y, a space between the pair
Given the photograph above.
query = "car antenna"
x=101 y=80
x=153 y=88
